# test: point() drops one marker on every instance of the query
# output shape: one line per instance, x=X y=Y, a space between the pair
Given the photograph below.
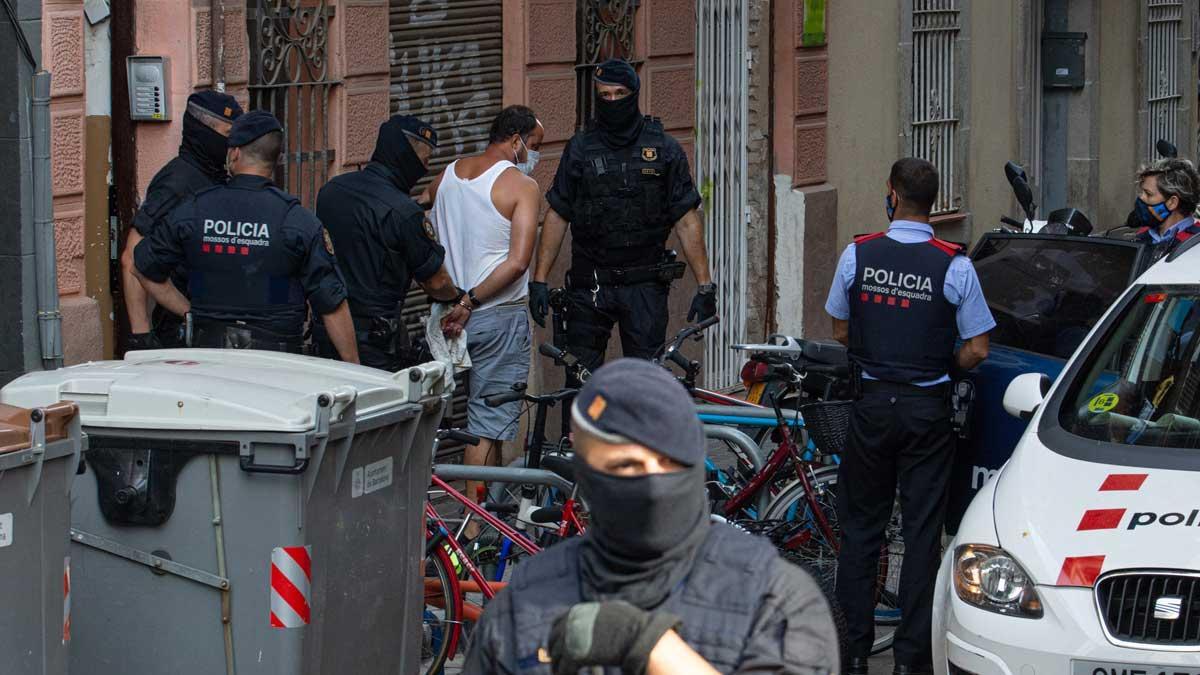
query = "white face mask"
x=531 y=160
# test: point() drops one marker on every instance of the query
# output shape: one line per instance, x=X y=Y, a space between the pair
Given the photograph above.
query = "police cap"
x=415 y=127
x=636 y=401
x=218 y=103
x=252 y=126
x=619 y=72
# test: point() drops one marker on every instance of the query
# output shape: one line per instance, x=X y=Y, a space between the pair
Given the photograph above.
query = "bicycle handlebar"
x=497 y=400
x=457 y=435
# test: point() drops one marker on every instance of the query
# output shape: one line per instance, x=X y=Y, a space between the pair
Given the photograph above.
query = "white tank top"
x=474 y=233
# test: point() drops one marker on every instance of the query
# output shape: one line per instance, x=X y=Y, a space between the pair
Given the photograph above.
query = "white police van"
x=1082 y=556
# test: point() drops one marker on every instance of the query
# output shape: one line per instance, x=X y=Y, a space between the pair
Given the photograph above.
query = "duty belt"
x=212 y=332
x=665 y=272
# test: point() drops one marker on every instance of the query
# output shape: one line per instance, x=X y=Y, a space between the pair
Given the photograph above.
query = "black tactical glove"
x=539 y=302
x=607 y=634
x=138 y=341
x=704 y=305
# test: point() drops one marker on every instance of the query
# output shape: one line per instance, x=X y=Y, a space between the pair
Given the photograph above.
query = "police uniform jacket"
x=256 y=256
x=622 y=202
x=179 y=179
x=380 y=236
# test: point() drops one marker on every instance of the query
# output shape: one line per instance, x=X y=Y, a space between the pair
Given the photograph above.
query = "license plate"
x=1110 y=668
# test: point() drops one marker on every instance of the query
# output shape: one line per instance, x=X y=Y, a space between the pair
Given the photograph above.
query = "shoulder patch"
x=429 y=230
x=328 y=241
x=649 y=154
x=864 y=238
x=949 y=248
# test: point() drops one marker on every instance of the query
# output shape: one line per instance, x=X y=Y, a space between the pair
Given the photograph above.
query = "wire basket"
x=827 y=423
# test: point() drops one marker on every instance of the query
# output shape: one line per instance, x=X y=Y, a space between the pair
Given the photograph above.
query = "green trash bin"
x=39 y=455
x=248 y=512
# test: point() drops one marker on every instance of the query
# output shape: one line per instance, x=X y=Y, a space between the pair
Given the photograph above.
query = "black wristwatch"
x=474 y=300
x=707 y=289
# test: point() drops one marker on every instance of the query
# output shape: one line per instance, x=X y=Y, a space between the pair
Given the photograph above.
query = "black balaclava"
x=620 y=122
x=393 y=150
x=204 y=146
x=643 y=535
x=645 y=530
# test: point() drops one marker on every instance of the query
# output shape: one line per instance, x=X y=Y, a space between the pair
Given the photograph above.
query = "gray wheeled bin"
x=248 y=512
x=39 y=455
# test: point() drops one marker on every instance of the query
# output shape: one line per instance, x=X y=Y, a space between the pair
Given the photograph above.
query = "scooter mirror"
x=1166 y=149
x=1020 y=187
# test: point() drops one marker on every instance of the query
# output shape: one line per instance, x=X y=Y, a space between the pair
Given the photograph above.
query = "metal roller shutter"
x=446 y=68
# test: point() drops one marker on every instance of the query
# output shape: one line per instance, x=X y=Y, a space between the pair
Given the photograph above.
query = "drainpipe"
x=49 y=318
x=217 y=14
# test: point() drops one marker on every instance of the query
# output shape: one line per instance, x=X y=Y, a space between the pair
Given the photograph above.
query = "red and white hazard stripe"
x=66 y=625
x=291 y=581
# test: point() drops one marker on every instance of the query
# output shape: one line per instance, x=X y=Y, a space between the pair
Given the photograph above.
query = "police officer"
x=200 y=164
x=652 y=586
x=383 y=242
x=1168 y=192
x=623 y=185
x=900 y=299
x=257 y=258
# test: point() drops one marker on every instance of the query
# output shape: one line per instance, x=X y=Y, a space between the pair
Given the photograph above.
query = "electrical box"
x=149 y=82
x=1063 y=60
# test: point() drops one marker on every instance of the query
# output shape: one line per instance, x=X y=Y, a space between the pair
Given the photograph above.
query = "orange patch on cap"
x=599 y=72
x=596 y=409
x=426 y=133
x=229 y=112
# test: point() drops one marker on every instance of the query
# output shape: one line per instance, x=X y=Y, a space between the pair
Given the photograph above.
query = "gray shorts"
x=498 y=342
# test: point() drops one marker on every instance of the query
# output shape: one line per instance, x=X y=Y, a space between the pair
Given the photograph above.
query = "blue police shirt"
x=1175 y=229
x=961 y=287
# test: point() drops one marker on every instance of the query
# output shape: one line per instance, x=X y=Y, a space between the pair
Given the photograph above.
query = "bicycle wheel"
x=441 y=615
x=806 y=544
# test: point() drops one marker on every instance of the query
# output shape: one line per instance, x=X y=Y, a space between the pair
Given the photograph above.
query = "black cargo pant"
x=638 y=310
x=899 y=435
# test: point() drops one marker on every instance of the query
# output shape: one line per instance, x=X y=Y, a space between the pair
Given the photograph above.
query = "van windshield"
x=1142 y=385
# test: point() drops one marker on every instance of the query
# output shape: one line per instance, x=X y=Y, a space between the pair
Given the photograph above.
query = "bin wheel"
x=441 y=615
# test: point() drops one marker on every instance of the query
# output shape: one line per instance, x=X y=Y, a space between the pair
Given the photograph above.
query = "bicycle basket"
x=827 y=423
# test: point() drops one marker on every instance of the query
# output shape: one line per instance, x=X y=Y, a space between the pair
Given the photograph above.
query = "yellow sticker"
x=1103 y=403
x=1163 y=388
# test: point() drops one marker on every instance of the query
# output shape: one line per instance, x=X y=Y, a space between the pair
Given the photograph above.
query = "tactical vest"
x=902 y=327
x=717 y=602
x=242 y=265
x=622 y=203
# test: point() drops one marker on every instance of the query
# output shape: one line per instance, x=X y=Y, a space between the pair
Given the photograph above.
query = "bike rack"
x=452 y=472
x=745 y=444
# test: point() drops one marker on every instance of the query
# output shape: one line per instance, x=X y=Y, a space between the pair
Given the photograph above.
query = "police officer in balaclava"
x=200 y=164
x=652 y=586
x=383 y=243
x=624 y=186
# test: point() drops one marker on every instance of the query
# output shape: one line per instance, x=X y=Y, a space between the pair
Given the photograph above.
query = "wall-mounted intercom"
x=149 y=82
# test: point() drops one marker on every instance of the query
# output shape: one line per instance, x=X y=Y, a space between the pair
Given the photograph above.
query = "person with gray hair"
x=1168 y=193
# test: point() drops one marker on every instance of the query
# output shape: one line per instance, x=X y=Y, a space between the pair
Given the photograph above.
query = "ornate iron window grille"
x=289 y=77
x=605 y=31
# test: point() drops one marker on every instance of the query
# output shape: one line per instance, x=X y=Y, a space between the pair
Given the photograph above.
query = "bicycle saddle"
x=563 y=466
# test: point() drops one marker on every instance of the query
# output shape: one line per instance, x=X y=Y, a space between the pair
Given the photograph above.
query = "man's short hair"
x=1176 y=178
x=265 y=149
x=916 y=181
x=515 y=119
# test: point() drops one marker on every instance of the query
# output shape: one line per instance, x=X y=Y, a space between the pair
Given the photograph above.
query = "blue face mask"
x=890 y=207
x=1151 y=214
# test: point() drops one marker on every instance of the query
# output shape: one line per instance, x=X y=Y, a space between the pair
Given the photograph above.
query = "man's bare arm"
x=136 y=298
x=690 y=229
x=523 y=237
x=340 y=328
x=426 y=198
x=440 y=286
x=553 y=231
x=165 y=293
x=841 y=331
x=972 y=352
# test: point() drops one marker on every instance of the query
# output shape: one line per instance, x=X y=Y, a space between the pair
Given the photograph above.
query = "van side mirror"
x=1025 y=393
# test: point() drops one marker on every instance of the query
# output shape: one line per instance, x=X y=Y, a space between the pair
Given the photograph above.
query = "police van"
x=1081 y=555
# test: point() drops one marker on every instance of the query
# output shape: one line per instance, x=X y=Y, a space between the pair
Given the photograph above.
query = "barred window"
x=1163 y=97
x=936 y=26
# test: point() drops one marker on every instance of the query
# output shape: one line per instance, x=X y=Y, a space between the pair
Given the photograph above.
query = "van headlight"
x=989 y=578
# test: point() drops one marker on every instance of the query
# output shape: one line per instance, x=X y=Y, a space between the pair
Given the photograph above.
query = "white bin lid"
x=218 y=389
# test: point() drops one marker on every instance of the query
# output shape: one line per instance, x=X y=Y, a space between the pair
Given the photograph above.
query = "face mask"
x=1151 y=214
x=531 y=160
x=889 y=207
x=643 y=517
x=206 y=146
x=619 y=120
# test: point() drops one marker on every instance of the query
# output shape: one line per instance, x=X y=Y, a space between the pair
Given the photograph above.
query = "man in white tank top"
x=485 y=209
